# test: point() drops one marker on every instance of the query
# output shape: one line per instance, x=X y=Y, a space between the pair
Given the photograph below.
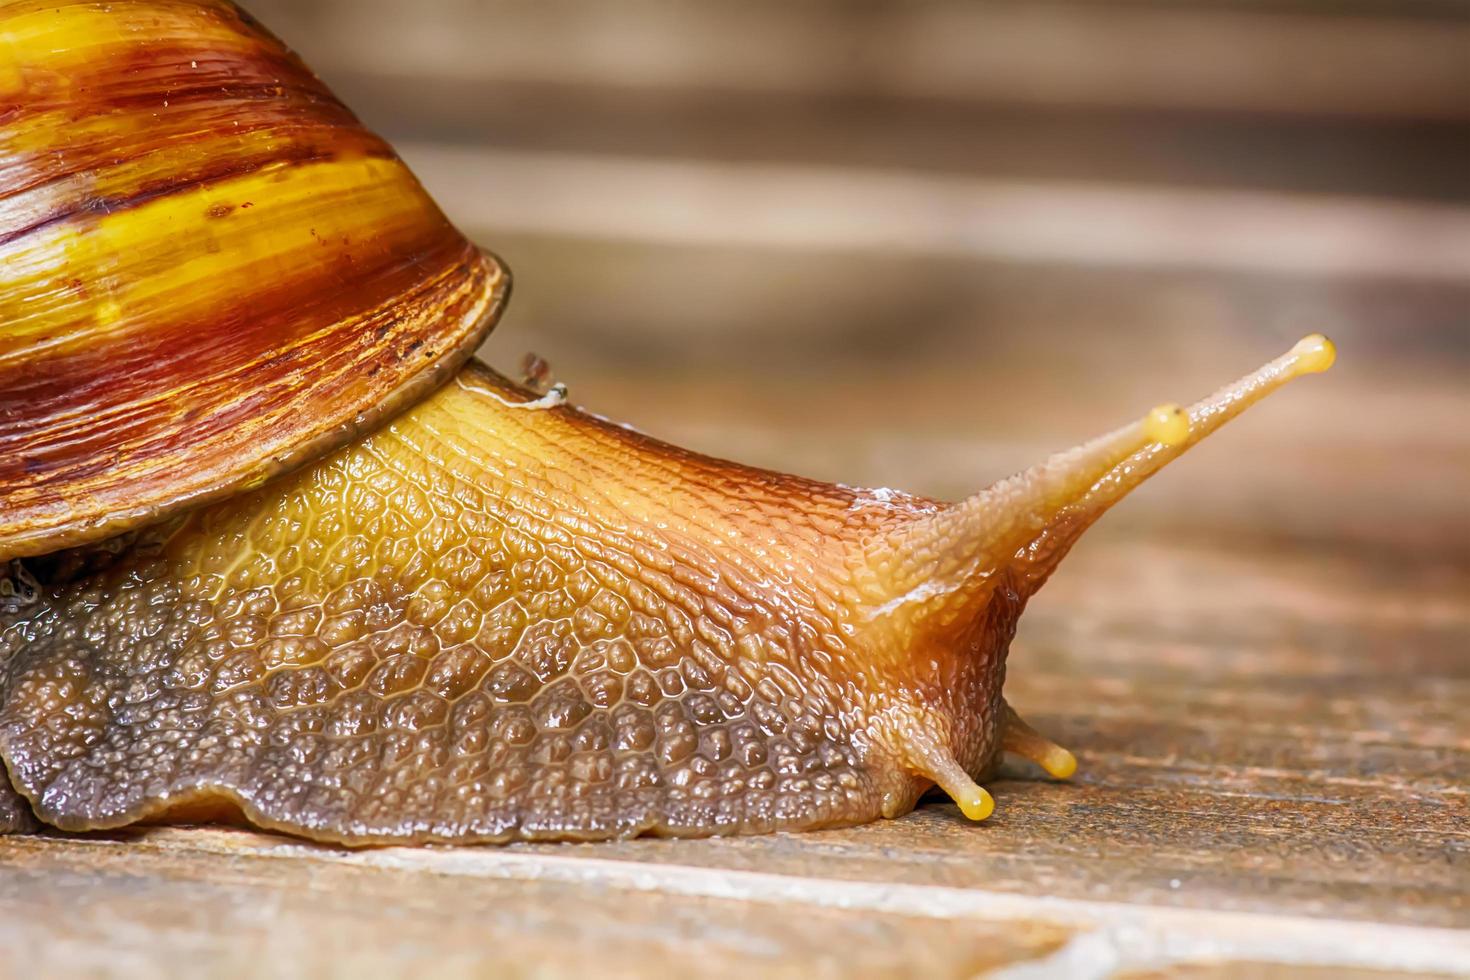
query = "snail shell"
x=493 y=617
x=212 y=272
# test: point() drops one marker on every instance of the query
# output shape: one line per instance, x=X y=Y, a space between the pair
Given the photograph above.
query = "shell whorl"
x=210 y=271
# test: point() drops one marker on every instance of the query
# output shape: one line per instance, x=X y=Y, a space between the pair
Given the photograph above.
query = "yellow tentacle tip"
x=1167 y=424
x=938 y=765
x=1021 y=739
x=1058 y=762
x=976 y=804
x=1314 y=354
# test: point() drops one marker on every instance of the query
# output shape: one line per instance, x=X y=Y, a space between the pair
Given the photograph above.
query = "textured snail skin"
x=197 y=242
x=15 y=815
x=497 y=620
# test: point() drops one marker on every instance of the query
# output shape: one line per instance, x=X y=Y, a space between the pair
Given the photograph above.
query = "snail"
x=275 y=548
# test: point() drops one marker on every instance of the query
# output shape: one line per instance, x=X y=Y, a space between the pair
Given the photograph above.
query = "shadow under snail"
x=273 y=547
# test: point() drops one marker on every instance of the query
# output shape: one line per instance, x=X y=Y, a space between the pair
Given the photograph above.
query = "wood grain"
x=235 y=908
x=1381 y=61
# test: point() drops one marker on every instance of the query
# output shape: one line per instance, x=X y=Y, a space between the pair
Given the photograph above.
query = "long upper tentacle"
x=951 y=559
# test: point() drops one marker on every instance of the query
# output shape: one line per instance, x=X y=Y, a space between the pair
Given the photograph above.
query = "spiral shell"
x=210 y=271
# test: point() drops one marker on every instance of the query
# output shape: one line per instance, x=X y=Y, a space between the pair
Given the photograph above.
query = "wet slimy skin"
x=486 y=623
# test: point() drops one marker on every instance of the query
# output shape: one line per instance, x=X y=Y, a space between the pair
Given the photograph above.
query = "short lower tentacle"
x=1019 y=738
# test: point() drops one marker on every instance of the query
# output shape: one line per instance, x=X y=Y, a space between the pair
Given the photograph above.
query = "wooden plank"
x=838 y=84
x=1315 y=155
x=159 y=903
x=1241 y=58
x=804 y=209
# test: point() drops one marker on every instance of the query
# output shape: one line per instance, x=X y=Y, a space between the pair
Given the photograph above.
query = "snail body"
x=427 y=604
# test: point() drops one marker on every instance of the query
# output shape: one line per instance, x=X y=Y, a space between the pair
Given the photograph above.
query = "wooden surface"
x=1260 y=659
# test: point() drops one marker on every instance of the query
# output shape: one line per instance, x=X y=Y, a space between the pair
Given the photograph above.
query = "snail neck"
x=575 y=469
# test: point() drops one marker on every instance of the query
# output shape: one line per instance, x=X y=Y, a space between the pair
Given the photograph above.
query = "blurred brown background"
x=921 y=242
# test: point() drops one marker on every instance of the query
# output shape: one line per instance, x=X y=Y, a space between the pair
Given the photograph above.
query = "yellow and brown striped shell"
x=210 y=271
